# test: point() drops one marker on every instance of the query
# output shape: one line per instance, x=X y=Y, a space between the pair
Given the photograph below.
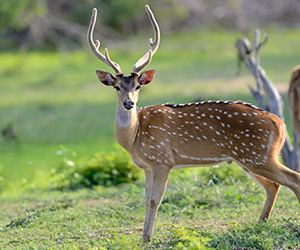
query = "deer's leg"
x=271 y=188
x=148 y=186
x=280 y=174
x=153 y=197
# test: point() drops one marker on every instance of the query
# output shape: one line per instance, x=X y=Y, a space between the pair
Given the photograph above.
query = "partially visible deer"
x=164 y=137
x=294 y=101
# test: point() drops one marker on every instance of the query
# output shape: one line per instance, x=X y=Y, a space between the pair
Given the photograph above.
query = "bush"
x=102 y=169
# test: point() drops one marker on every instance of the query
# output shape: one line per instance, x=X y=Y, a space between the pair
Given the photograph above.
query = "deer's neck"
x=126 y=127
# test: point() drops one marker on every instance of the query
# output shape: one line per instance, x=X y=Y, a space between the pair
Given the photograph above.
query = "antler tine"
x=146 y=59
x=112 y=64
x=95 y=46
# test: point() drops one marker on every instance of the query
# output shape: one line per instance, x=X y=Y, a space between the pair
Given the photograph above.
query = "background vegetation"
x=63 y=180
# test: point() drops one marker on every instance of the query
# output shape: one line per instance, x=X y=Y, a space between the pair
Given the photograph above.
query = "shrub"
x=101 y=169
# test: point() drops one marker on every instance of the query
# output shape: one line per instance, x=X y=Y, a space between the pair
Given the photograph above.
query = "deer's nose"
x=128 y=104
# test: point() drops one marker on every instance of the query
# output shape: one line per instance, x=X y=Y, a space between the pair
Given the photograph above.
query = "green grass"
x=54 y=100
x=195 y=213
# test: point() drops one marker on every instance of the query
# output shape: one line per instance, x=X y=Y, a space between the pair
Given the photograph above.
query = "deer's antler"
x=146 y=59
x=95 y=46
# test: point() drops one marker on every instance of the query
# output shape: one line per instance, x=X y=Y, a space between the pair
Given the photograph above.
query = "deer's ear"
x=146 y=77
x=105 y=77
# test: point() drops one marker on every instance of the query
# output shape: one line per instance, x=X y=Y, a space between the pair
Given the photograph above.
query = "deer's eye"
x=117 y=88
x=138 y=87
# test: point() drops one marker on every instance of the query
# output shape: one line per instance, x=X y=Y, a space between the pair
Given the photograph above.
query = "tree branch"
x=250 y=56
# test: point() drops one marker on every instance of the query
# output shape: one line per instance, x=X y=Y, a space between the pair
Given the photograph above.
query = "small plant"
x=101 y=169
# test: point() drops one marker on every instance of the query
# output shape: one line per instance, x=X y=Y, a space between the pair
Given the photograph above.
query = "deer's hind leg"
x=280 y=174
x=271 y=188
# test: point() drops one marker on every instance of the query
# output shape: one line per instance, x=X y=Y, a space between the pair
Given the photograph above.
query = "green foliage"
x=102 y=169
x=19 y=14
x=121 y=15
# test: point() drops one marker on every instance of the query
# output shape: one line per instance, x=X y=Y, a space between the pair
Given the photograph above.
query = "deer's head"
x=127 y=87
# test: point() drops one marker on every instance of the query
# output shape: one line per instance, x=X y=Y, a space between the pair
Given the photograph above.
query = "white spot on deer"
x=184 y=156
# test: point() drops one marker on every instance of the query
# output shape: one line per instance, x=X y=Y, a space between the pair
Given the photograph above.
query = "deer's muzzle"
x=128 y=104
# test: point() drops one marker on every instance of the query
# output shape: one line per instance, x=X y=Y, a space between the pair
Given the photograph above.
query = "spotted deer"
x=160 y=138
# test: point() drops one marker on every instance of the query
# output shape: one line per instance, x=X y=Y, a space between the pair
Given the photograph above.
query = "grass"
x=54 y=101
x=195 y=213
